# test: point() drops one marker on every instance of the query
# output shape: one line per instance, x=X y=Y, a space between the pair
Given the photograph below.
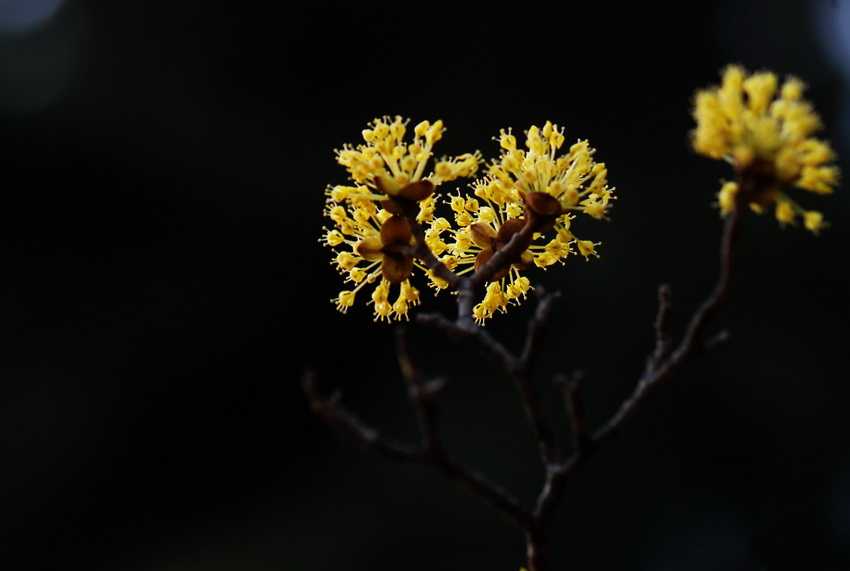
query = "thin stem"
x=524 y=380
x=572 y=388
x=423 y=394
x=663 y=343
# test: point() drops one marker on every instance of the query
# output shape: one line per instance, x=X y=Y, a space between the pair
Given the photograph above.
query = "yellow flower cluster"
x=372 y=234
x=535 y=186
x=528 y=195
x=765 y=130
x=386 y=223
x=390 y=222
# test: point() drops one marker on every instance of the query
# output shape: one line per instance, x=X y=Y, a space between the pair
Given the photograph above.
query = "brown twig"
x=663 y=342
x=572 y=388
x=691 y=343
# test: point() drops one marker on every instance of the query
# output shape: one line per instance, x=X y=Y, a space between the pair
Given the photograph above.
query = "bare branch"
x=690 y=344
x=666 y=359
x=663 y=342
x=432 y=453
x=352 y=429
x=422 y=394
x=719 y=340
x=661 y=366
x=572 y=388
x=519 y=369
x=478 y=336
x=537 y=326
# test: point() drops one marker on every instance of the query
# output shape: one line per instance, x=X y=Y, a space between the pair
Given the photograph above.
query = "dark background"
x=163 y=168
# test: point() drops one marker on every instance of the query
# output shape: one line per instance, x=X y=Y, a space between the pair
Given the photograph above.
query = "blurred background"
x=163 y=169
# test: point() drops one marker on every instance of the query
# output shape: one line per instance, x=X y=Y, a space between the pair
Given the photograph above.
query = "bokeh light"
x=40 y=49
x=832 y=23
x=17 y=16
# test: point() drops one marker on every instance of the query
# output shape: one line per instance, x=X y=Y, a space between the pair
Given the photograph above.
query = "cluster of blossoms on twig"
x=764 y=131
x=395 y=220
x=534 y=183
x=372 y=233
x=378 y=220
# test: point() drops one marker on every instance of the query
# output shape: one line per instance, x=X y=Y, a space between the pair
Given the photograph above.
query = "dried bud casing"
x=396 y=236
x=542 y=210
x=370 y=249
x=416 y=191
x=396 y=269
x=483 y=257
x=395 y=230
x=508 y=229
x=543 y=203
x=402 y=200
x=482 y=234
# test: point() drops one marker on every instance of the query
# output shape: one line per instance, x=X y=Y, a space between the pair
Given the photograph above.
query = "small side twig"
x=537 y=326
x=573 y=389
x=663 y=341
x=350 y=428
x=422 y=393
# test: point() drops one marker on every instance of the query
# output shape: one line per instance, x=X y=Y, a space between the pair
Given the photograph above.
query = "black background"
x=163 y=170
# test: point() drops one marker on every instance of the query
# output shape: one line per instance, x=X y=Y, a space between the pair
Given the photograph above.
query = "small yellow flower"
x=587 y=248
x=785 y=212
x=813 y=221
x=765 y=130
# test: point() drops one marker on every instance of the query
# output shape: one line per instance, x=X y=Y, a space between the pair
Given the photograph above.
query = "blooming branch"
x=519 y=216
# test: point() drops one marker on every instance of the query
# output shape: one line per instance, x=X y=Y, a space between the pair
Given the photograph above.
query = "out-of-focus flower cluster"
x=765 y=131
